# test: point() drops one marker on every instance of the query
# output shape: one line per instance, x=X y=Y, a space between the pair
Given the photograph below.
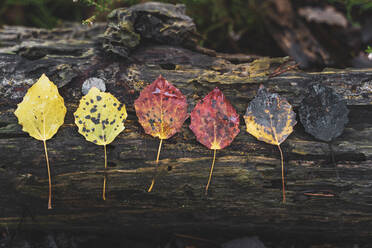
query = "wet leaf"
x=161 y=109
x=100 y=118
x=323 y=113
x=215 y=123
x=41 y=113
x=270 y=118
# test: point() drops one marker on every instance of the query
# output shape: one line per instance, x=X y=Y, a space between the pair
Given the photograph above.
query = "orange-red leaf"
x=214 y=121
x=161 y=109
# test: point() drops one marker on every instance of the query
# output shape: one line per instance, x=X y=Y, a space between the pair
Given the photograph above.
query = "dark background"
x=231 y=26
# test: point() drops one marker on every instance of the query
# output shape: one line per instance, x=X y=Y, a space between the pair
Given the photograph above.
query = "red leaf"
x=161 y=109
x=214 y=121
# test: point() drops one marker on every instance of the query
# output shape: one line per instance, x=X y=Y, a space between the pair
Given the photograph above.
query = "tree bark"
x=245 y=194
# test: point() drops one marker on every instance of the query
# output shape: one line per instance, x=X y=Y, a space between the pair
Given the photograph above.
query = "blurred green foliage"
x=217 y=20
x=369 y=49
x=220 y=22
x=39 y=13
x=351 y=5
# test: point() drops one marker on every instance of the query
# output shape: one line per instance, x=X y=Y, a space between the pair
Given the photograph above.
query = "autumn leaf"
x=270 y=118
x=215 y=124
x=100 y=118
x=161 y=109
x=41 y=113
x=323 y=113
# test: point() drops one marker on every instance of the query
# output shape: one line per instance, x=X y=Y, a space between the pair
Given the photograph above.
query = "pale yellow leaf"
x=42 y=110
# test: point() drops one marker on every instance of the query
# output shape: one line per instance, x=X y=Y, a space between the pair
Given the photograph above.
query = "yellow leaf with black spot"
x=270 y=118
x=100 y=118
x=41 y=113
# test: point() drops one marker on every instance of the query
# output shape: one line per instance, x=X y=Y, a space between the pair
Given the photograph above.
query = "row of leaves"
x=162 y=109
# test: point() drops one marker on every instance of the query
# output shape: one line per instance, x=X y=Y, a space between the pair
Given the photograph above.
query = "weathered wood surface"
x=245 y=195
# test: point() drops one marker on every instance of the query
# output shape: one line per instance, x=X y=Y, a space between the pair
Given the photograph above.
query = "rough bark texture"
x=245 y=195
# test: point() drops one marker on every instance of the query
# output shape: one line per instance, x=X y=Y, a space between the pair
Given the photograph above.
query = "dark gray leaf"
x=323 y=113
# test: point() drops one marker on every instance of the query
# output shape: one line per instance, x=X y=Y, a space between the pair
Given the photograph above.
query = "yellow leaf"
x=270 y=118
x=100 y=118
x=41 y=113
x=42 y=110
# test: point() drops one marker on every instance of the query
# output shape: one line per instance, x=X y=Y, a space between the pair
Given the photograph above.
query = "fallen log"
x=245 y=194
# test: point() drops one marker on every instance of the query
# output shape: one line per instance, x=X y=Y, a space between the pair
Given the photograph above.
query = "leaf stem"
x=104 y=179
x=283 y=182
x=333 y=159
x=157 y=162
x=211 y=172
x=50 y=183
